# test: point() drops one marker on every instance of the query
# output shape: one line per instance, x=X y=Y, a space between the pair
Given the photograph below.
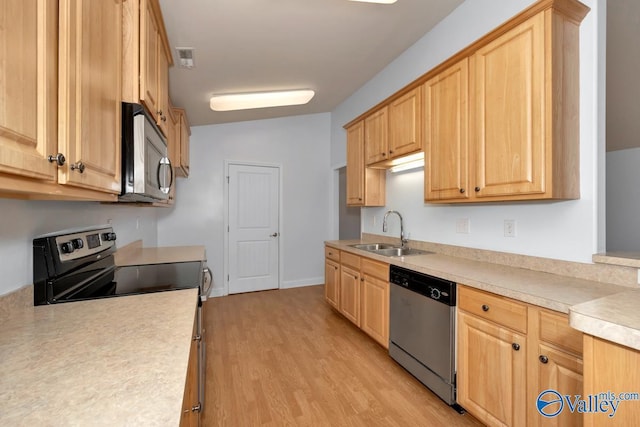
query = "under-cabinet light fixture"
x=376 y=1
x=406 y=163
x=246 y=101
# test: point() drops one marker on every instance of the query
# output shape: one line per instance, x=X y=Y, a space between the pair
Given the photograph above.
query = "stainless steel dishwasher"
x=422 y=329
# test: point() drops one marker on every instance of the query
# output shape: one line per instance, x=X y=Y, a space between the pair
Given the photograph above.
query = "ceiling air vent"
x=185 y=54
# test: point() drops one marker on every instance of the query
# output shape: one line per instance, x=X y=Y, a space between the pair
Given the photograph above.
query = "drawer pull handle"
x=543 y=359
x=515 y=346
x=485 y=307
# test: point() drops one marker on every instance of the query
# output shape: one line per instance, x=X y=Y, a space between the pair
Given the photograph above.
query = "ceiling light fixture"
x=246 y=101
x=376 y=1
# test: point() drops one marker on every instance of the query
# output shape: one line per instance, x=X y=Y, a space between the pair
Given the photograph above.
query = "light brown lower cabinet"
x=358 y=288
x=350 y=294
x=191 y=417
x=509 y=353
x=612 y=368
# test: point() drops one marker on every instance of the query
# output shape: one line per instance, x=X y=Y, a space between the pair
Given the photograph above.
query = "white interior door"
x=254 y=208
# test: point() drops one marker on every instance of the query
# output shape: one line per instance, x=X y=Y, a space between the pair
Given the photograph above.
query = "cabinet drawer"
x=332 y=253
x=351 y=260
x=554 y=328
x=501 y=310
x=376 y=269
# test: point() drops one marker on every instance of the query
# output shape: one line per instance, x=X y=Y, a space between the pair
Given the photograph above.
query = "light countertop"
x=605 y=310
x=135 y=254
x=112 y=361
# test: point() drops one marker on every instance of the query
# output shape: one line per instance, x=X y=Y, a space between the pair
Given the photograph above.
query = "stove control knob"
x=109 y=236
x=67 y=247
x=77 y=243
x=435 y=293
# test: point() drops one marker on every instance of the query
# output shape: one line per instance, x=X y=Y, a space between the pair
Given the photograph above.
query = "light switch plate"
x=463 y=226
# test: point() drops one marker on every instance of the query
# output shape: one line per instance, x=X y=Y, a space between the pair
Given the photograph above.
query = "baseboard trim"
x=303 y=282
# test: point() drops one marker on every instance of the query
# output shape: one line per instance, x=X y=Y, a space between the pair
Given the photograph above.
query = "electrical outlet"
x=373 y=221
x=137 y=223
x=509 y=228
x=463 y=226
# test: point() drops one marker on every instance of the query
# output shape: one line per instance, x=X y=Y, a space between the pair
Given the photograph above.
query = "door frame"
x=225 y=171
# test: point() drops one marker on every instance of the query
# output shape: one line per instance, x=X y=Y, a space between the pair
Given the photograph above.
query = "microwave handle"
x=164 y=163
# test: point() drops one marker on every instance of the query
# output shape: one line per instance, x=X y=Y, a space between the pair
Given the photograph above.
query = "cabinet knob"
x=515 y=346
x=57 y=158
x=163 y=118
x=196 y=408
x=485 y=307
x=477 y=189
x=79 y=166
x=390 y=151
x=462 y=191
x=160 y=112
x=384 y=154
x=543 y=358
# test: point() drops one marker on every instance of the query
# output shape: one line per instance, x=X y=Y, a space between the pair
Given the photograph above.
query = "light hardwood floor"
x=285 y=358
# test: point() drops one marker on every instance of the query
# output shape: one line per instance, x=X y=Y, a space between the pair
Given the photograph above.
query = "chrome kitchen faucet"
x=403 y=241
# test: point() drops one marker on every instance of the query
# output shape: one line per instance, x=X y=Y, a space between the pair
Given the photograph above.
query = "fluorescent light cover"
x=245 y=101
x=377 y=1
x=407 y=166
x=406 y=159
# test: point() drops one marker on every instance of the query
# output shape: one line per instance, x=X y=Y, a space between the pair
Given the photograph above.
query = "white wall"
x=300 y=145
x=24 y=220
x=563 y=230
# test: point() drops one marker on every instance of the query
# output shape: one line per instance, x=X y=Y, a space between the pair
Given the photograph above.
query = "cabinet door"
x=562 y=372
x=375 y=309
x=28 y=87
x=350 y=294
x=184 y=132
x=332 y=283
x=445 y=128
x=507 y=116
x=491 y=372
x=149 y=58
x=405 y=124
x=355 y=165
x=89 y=95
x=376 y=132
x=189 y=417
x=611 y=367
x=163 y=90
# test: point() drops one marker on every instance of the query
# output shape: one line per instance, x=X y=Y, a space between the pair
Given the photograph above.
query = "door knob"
x=274 y=235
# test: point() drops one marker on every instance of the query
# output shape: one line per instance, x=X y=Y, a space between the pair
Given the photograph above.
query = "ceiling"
x=330 y=46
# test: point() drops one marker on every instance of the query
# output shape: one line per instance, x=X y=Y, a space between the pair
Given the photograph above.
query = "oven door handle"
x=207 y=279
x=83 y=284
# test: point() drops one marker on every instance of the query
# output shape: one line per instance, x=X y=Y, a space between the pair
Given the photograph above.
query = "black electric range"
x=78 y=264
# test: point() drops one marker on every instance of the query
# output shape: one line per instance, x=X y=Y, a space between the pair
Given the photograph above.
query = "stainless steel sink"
x=399 y=252
x=372 y=246
x=386 y=249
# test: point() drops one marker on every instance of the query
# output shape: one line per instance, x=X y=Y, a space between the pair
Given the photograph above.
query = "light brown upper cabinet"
x=146 y=59
x=89 y=94
x=523 y=118
x=28 y=93
x=365 y=186
x=394 y=130
x=376 y=136
x=446 y=100
x=59 y=130
x=405 y=133
x=499 y=120
x=183 y=131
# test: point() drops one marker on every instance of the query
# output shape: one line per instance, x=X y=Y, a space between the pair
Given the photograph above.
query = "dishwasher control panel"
x=438 y=289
